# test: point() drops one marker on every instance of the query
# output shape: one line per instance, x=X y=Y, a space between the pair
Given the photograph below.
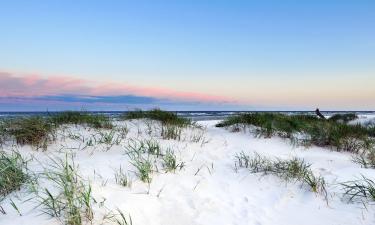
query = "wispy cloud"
x=36 y=89
x=130 y=99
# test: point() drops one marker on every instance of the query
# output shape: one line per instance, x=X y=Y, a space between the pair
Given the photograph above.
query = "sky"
x=187 y=55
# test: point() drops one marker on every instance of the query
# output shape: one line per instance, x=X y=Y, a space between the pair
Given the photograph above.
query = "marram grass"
x=165 y=117
x=294 y=169
x=305 y=129
x=13 y=172
x=39 y=131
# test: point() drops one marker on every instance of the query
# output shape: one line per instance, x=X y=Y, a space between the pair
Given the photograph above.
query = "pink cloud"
x=33 y=85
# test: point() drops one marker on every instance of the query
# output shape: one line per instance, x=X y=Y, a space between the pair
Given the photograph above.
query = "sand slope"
x=208 y=190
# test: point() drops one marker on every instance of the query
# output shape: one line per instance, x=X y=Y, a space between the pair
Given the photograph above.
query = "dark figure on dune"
x=317 y=111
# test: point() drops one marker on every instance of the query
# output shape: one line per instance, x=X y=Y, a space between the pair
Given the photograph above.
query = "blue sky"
x=231 y=54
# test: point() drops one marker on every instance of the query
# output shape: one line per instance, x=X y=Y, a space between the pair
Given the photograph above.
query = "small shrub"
x=12 y=172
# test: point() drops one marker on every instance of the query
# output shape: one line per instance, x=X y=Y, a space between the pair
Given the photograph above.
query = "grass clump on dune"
x=305 y=129
x=169 y=132
x=344 y=137
x=138 y=147
x=344 y=118
x=366 y=159
x=12 y=172
x=290 y=169
x=360 y=189
x=39 y=131
x=3 y=133
x=170 y=161
x=122 y=178
x=71 y=200
x=81 y=118
x=144 y=167
x=35 y=131
x=269 y=124
x=371 y=131
x=165 y=117
x=171 y=123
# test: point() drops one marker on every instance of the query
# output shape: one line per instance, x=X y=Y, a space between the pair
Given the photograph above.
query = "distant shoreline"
x=194 y=115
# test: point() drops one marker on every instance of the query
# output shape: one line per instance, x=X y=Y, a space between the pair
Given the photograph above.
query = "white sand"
x=216 y=194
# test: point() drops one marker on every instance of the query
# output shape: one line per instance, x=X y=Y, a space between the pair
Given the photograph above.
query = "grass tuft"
x=371 y=131
x=119 y=218
x=164 y=117
x=360 y=189
x=305 y=129
x=34 y=131
x=170 y=162
x=343 y=117
x=138 y=147
x=144 y=167
x=3 y=132
x=291 y=169
x=40 y=131
x=122 y=178
x=72 y=202
x=366 y=159
x=81 y=118
x=12 y=172
x=171 y=132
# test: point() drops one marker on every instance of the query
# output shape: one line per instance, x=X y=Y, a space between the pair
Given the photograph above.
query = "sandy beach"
x=205 y=187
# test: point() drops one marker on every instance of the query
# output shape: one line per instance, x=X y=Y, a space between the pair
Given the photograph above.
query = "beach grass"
x=72 y=202
x=290 y=169
x=171 y=132
x=359 y=190
x=144 y=167
x=12 y=172
x=3 y=133
x=165 y=117
x=305 y=129
x=119 y=218
x=171 y=123
x=35 y=131
x=170 y=162
x=39 y=131
x=344 y=117
x=122 y=178
x=366 y=159
x=81 y=118
x=148 y=146
x=371 y=131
